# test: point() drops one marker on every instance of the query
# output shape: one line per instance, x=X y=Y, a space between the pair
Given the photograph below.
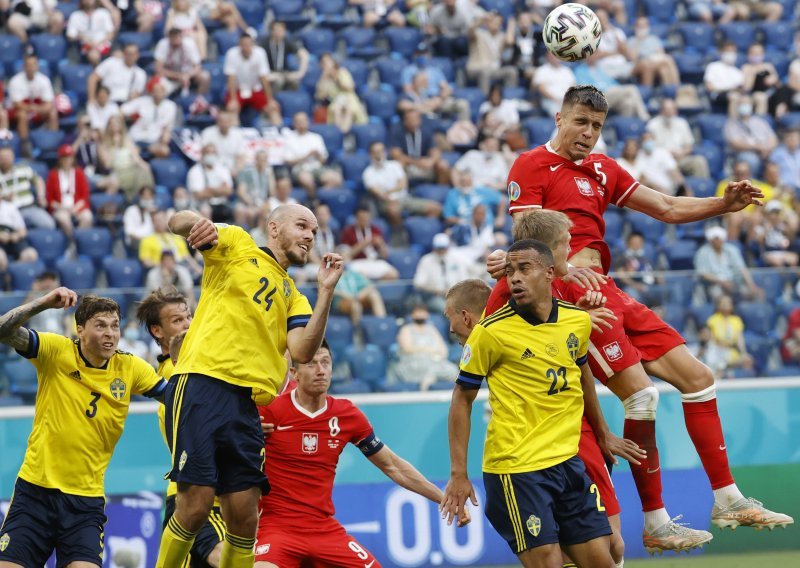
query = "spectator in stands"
x=487 y=44
x=625 y=100
x=465 y=195
x=68 y=193
x=673 y=133
x=182 y=16
x=437 y=271
x=770 y=11
x=613 y=7
x=38 y=15
x=228 y=140
x=658 y=169
x=709 y=11
x=20 y=185
x=386 y=182
x=51 y=321
x=211 y=186
x=93 y=28
x=223 y=12
x=137 y=221
x=170 y=273
x=432 y=102
x=122 y=156
x=614 y=56
x=421 y=352
x=477 y=238
x=627 y=159
x=259 y=232
x=5 y=134
x=32 y=99
x=279 y=48
x=305 y=153
x=354 y=295
x=14 y=244
x=638 y=273
x=449 y=25
x=793 y=83
x=155 y=118
x=151 y=246
x=177 y=62
x=149 y=14
x=722 y=269
x=379 y=13
x=421 y=62
x=254 y=185
x=551 y=80
x=412 y=144
x=538 y=9
x=760 y=79
x=727 y=337
x=500 y=116
x=652 y=62
x=101 y=108
x=488 y=164
x=282 y=195
x=741 y=221
x=181 y=199
x=749 y=137
x=122 y=75
x=787 y=157
x=520 y=35
x=774 y=237
x=723 y=79
x=247 y=71
x=130 y=341
x=88 y=156
x=365 y=245
x=336 y=93
x=790 y=347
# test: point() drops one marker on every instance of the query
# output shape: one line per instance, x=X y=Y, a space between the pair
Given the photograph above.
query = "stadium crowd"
x=397 y=122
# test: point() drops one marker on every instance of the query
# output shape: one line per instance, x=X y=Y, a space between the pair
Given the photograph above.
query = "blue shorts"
x=212 y=533
x=218 y=440
x=41 y=520
x=555 y=505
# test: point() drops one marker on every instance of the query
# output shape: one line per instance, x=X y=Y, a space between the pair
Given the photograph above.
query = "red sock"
x=705 y=430
x=646 y=476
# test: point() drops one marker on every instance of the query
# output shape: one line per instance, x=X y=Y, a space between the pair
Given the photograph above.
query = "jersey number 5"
x=268 y=298
x=597 y=168
x=91 y=412
x=557 y=375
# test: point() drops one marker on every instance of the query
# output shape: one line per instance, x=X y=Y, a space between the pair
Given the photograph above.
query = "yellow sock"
x=237 y=552
x=176 y=542
x=569 y=565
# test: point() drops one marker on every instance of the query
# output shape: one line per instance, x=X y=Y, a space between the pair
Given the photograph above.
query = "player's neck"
x=539 y=309
x=310 y=402
x=91 y=359
x=277 y=254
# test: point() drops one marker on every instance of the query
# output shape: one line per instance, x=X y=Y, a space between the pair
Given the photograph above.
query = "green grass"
x=789 y=559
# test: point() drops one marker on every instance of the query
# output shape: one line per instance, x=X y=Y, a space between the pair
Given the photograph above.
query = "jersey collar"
x=302 y=410
x=86 y=361
x=269 y=252
x=549 y=148
x=162 y=358
x=532 y=319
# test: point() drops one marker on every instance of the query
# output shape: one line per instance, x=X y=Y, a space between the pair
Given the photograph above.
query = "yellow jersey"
x=80 y=413
x=248 y=304
x=165 y=369
x=151 y=247
x=532 y=368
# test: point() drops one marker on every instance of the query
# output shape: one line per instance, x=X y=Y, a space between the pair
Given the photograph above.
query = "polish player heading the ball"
x=572 y=32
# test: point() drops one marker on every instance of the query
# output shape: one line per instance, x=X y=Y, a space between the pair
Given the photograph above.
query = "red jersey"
x=303 y=452
x=540 y=178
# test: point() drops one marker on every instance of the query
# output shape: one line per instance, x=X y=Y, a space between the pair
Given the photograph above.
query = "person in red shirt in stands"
x=67 y=192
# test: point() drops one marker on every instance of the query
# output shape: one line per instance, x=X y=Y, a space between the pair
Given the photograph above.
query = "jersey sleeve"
x=145 y=379
x=362 y=435
x=624 y=182
x=583 y=346
x=44 y=346
x=477 y=358
x=498 y=298
x=525 y=187
x=230 y=237
x=299 y=312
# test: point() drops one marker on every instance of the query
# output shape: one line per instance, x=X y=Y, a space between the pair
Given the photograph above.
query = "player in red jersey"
x=565 y=176
x=309 y=431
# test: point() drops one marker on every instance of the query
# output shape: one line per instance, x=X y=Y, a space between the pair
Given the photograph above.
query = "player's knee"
x=617 y=548
x=700 y=379
x=642 y=405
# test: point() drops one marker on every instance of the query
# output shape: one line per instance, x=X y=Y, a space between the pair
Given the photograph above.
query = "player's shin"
x=176 y=542
x=237 y=552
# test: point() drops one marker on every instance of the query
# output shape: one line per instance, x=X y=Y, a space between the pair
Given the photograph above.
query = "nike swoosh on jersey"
x=369 y=565
x=283 y=427
x=554 y=168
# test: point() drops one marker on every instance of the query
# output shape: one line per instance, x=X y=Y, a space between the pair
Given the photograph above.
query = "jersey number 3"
x=91 y=412
x=268 y=298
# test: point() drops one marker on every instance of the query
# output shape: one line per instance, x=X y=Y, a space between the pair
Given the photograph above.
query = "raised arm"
x=197 y=230
x=11 y=331
x=459 y=422
x=404 y=474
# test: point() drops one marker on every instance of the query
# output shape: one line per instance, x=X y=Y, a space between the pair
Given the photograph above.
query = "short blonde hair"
x=471 y=295
x=541 y=225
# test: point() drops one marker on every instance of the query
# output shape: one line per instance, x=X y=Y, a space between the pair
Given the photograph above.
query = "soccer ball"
x=572 y=32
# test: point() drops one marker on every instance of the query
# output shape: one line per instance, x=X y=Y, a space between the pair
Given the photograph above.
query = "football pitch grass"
x=789 y=558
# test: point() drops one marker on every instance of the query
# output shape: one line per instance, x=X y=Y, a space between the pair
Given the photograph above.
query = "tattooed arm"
x=11 y=331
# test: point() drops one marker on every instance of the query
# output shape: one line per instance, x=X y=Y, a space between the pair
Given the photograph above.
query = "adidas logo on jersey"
x=75 y=375
x=254 y=261
x=528 y=354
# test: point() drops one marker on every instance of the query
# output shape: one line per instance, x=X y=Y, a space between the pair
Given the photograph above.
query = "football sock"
x=176 y=542
x=705 y=430
x=621 y=564
x=726 y=496
x=655 y=519
x=647 y=475
x=237 y=552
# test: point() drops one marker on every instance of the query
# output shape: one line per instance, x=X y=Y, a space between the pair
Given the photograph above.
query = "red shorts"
x=257 y=100
x=104 y=48
x=35 y=118
x=596 y=469
x=290 y=546
x=637 y=335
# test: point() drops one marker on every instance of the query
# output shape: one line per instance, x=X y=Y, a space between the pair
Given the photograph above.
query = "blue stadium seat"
x=353 y=164
x=8 y=401
x=218 y=85
x=441 y=386
x=695 y=230
x=405 y=261
x=661 y=11
x=539 y=129
x=697 y=37
x=318 y=41
x=702 y=187
x=442 y=325
x=342 y=202
x=435 y=191
x=170 y=172
x=395 y=296
x=73 y=78
x=403 y=40
x=367 y=364
x=421 y=231
x=51 y=49
x=360 y=42
x=400 y=387
x=652 y=229
x=516 y=93
x=332 y=136
x=290 y=12
x=366 y=134
x=253 y=12
x=741 y=33
x=784 y=371
x=381 y=103
x=358 y=69
x=777 y=35
x=95 y=243
x=351 y=387
x=142 y=40
x=615 y=225
x=10 y=300
x=701 y=313
x=77 y=274
x=339 y=333
x=712 y=128
x=627 y=127
x=473 y=95
x=680 y=254
x=46 y=142
x=123 y=272
x=675 y=315
x=771 y=282
x=789 y=9
x=331 y=13
x=503 y=7
x=22 y=378
x=49 y=243
x=692 y=66
x=761 y=348
x=225 y=40
x=24 y=273
x=293 y=102
x=758 y=317
x=309 y=292
x=379 y=331
x=390 y=70
x=10 y=52
x=713 y=155
x=311 y=78
x=446 y=66
x=781 y=61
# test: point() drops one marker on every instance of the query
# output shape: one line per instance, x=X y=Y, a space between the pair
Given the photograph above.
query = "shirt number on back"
x=557 y=375
x=268 y=298
x=597 y=168
x=91 y=412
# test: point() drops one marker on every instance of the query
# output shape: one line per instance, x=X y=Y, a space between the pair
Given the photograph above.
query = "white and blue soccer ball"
x=572 y=32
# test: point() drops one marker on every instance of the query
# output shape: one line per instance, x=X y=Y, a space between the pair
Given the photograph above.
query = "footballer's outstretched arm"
x=459 y=422
x=197 y=230
x=11 y=331
x=404 y=474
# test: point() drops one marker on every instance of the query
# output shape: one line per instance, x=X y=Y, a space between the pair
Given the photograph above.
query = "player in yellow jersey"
x=532 y=352
x=166 y=315
x=85 y=388
x=249 y=313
